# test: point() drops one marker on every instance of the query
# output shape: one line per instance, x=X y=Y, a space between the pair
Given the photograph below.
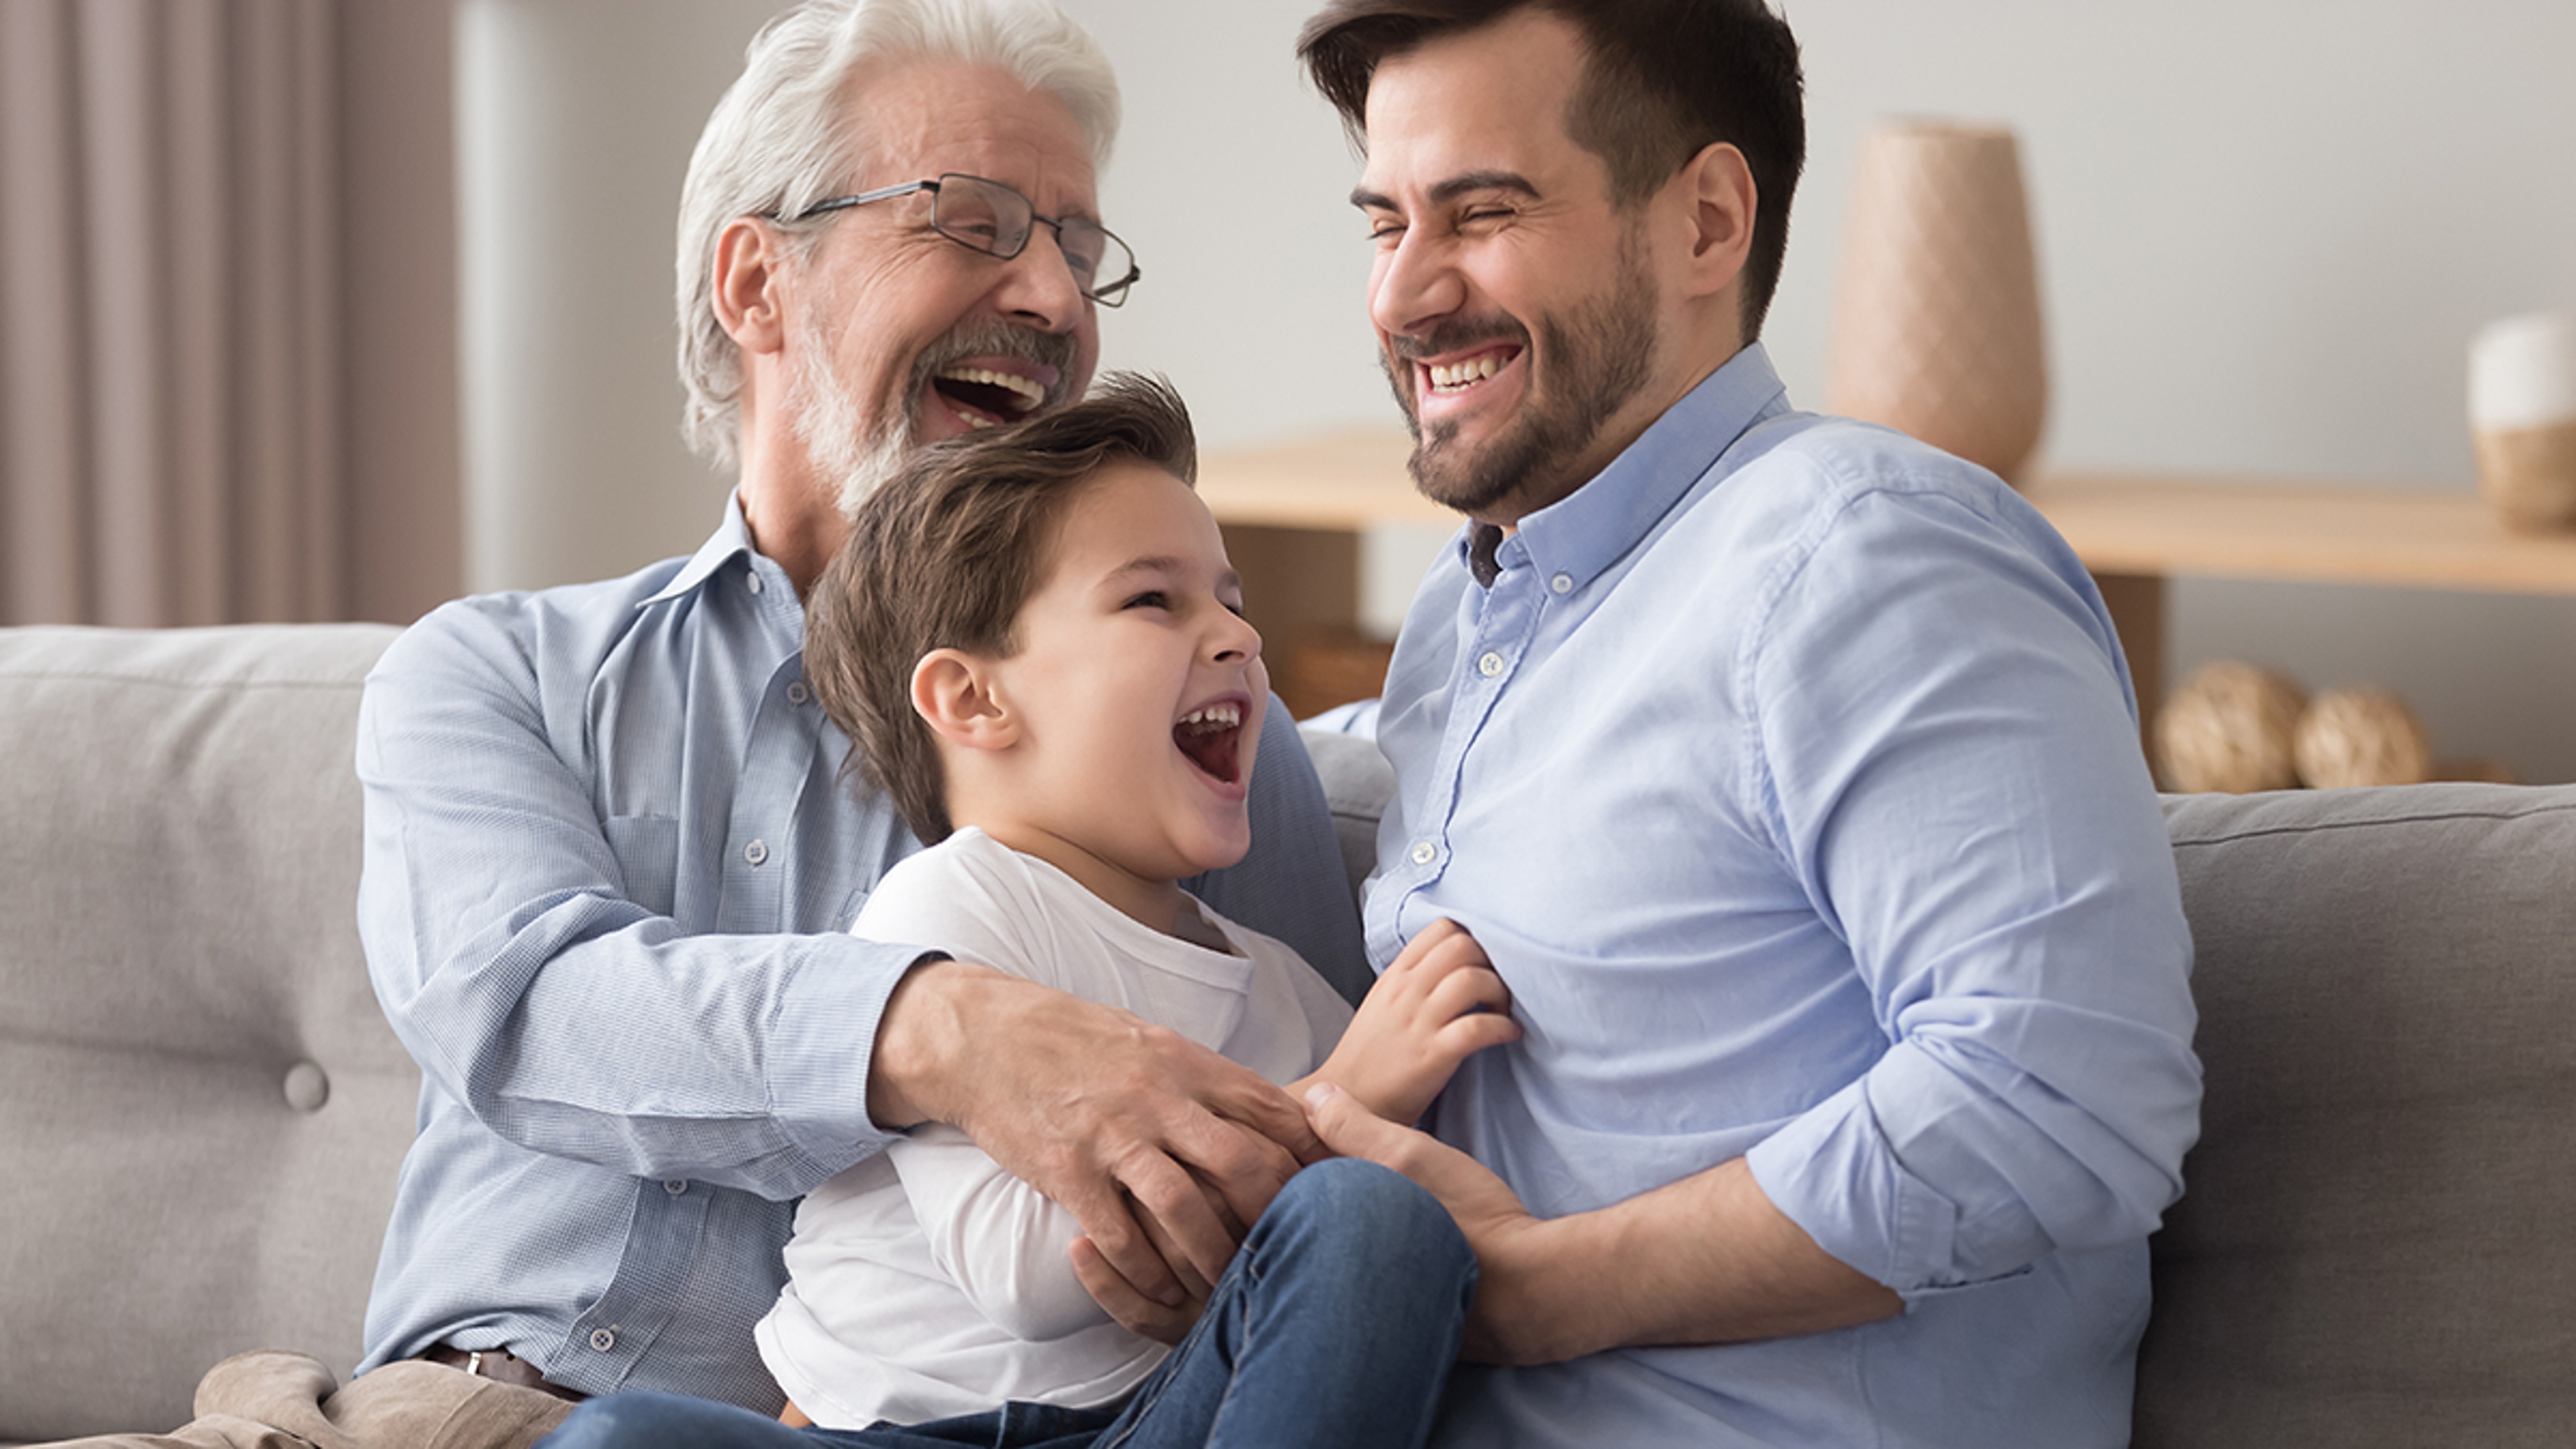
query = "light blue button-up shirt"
x=1789 y=773
x=608 y=859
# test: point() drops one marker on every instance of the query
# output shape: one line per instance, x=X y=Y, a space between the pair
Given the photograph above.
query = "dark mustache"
x=1458 y=334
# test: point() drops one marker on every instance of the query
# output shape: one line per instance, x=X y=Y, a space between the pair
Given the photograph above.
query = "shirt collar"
x=1586 y=531
x=732 y=537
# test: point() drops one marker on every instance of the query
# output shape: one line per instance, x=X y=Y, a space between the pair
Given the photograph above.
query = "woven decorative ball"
x=2362 y=737
x=2229 y=728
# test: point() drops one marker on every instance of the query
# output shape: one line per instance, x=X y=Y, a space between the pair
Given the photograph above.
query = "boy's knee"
x=1376 y=1212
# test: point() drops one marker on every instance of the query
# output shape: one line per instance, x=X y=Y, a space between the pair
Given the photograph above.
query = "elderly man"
x=1786 y=769
x=609 y=851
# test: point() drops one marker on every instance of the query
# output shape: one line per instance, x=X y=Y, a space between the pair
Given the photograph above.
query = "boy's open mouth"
x=1212 y=737
x=985 y=398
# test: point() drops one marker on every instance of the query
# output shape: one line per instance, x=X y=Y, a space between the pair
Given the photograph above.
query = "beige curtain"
x=170 y=392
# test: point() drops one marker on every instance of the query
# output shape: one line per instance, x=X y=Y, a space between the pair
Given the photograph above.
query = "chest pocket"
x=647 y=848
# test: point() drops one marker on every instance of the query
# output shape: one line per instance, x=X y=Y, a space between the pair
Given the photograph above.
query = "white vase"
x=1937 y=328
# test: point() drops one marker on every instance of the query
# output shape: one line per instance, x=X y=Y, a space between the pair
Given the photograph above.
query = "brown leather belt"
x=502 y=1367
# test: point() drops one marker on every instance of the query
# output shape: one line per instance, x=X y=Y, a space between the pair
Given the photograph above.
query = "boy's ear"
x=953 y=693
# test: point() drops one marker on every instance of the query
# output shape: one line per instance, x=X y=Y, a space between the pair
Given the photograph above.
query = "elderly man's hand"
x=1110 y=1116
x=1162 y=1322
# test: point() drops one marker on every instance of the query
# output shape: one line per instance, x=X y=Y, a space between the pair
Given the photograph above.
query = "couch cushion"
x=2374 y=1245
x=1357 y=781
x=200 y=1104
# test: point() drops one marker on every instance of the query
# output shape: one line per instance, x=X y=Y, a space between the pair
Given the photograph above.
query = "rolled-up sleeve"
x=1948 y=760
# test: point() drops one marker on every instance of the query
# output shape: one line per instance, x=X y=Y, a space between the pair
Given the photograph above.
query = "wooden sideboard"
x=1293 y=515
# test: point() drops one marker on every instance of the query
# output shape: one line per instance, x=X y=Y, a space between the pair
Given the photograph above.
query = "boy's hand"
x=1439 y=1004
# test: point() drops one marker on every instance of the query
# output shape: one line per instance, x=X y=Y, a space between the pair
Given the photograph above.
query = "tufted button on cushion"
x=307 y=1087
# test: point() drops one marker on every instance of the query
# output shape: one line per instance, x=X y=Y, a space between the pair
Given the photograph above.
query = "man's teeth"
x=1029 y=393
x=1214 y=717
x=1460 y=374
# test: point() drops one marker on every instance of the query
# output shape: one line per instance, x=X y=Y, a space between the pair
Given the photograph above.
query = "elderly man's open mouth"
x=984 y=395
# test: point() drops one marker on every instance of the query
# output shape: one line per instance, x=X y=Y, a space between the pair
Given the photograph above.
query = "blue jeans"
x=1336 y=1324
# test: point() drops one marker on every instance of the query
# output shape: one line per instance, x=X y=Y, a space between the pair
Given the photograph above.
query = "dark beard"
x=1602 y=354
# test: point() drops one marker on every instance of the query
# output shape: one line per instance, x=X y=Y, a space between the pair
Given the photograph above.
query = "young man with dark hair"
x=1786 y=768
x=1034 y=638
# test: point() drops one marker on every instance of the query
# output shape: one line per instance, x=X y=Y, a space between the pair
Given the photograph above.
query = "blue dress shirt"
x=609 y=856
x=1789 y=773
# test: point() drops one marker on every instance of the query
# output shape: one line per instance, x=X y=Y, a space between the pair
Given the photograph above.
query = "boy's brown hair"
x=944 y=554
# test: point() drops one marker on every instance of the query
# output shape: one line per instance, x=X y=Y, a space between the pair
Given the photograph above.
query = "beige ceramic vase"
x=1937 y=328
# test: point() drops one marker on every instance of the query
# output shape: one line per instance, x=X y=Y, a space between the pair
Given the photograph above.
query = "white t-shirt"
x=927 y=1282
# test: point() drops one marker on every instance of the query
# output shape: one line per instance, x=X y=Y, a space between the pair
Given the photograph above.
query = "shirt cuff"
x=824 y=1037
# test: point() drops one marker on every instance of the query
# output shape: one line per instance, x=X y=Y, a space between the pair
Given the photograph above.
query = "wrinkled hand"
x=1438 y=1004
x=1507 y=1323
x=1120 y=1122
x=1164 y=1323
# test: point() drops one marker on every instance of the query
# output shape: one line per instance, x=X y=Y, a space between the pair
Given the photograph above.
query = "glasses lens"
x=1102 y=265
x=991 y=217
x=984 y=215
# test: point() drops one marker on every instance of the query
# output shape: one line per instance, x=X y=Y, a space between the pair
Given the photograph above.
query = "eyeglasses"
x=994 y=219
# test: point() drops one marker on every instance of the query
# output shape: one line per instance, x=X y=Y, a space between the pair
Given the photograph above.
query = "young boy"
x=1034 y=639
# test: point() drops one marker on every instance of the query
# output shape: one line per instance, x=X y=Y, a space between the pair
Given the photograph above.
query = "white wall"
x=575 y=119
x=2268 y=229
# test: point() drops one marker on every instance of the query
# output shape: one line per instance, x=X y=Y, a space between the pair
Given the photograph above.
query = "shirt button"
x=756 y=584
x=603 y=1339
x=797 y=693
x=675 y=1186
x=1562 y=583
x=1424 y=852
x=756 y=852
x=1490 y=665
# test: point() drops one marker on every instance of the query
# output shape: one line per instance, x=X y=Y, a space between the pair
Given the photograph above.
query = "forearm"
x=1707 y=1259
x=731 y=1060
x=522 y=942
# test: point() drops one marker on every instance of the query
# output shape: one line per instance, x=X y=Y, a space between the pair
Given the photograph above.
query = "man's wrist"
x=1532 y=1304
x=920 y=1035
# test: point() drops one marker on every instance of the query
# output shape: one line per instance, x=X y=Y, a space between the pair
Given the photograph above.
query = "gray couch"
x=201 y=1113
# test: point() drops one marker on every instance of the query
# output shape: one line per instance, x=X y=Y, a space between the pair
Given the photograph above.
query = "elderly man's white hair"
x=778 y=143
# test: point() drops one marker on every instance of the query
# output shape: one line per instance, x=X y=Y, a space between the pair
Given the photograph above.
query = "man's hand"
x=1163 y=1323
x=1707 y=1259
x=1113 y=1118
x=1503 y=1327
x=1438 y=1004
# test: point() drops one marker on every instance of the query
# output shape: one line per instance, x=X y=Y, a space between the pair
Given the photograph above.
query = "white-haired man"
x=609 y=856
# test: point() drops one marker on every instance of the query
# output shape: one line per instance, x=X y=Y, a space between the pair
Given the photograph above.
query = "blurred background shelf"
x=1294 y=515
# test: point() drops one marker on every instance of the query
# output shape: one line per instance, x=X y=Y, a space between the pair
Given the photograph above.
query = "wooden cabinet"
x=1293 y=515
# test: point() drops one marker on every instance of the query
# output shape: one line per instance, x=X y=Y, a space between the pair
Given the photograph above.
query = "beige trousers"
x=272 y=1400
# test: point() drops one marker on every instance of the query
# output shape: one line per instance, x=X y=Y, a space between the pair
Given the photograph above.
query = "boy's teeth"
x=1459 y=374
x=1026 y=391
x=1223 y=716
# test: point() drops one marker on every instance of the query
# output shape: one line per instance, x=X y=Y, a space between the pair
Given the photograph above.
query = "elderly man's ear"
x=1719 y=188
x=750 y=274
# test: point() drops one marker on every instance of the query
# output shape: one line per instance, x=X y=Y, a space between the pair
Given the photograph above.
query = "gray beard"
x=859 y=458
